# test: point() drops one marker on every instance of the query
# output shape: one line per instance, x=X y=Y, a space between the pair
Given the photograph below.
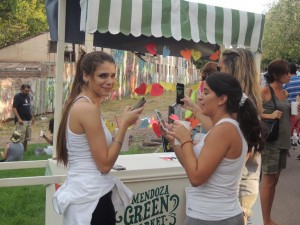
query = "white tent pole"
x=59 y=71
x=89 y=38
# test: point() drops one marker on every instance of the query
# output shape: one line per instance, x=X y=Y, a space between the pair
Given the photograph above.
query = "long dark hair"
x=86 y=64
x=247 y=114
x=277 y=69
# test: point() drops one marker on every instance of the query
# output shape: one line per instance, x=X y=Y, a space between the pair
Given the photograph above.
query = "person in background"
x=23 y=114
x=293 y=89
x=274 y=156
x=51 y=128
x=14 y=150
x=86 y=146
x=240 y=63
x=208 y=69
x=213 y=167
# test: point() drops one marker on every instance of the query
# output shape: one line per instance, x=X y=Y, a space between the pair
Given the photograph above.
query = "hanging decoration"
x=156 y=129
x=116 y=85
x=148 y=89
x=145 y=123
x=215 y=56
x=141 y=90
x=186 y=54
x=196 y=54
x=174 y=117
x=151 y=48
x=156 y=90
x=166 y=51
x=110 y=125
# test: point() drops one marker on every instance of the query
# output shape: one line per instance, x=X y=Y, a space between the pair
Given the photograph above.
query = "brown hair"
x=208 y=69
x=86 y=64
x=277 y=69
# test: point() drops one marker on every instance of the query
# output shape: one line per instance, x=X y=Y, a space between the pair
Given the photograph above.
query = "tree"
x=281 y=37
x=20 y=19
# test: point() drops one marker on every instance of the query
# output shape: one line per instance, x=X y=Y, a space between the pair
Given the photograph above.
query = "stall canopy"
x=164 y=25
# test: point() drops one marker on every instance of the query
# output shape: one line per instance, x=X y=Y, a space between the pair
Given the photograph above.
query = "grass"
x=26 y=205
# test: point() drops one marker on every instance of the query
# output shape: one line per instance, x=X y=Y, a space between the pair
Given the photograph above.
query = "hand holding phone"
x=161 y=120
x=179 y=93
x=139 y=104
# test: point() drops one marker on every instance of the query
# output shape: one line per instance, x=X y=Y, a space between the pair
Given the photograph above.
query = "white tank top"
x=217 y=199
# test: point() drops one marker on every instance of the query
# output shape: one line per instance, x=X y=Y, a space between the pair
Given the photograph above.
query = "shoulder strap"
x=273 y=96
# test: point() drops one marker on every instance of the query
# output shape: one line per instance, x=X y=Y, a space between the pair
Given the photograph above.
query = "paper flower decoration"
x=156 y=90
x=141 y=90
x=148 y=89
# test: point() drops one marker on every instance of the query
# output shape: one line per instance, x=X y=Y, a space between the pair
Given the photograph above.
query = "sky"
x=257 y=6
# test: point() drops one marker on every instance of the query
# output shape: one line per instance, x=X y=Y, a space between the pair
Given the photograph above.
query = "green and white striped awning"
x=178 y=19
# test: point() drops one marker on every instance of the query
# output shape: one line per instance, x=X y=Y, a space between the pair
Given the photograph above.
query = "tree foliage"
x=20 y=19
x=281 y=37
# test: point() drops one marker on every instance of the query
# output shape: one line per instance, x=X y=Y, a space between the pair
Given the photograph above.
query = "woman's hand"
x=277 y=114
x=130 y=117
x=180 y=132
x=189 y=104
x=164 y=133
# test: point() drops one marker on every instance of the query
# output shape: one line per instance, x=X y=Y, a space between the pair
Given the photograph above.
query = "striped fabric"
x=179 y=19
x=293 y=88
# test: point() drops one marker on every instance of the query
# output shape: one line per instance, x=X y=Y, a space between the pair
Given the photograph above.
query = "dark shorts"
x=273 y=159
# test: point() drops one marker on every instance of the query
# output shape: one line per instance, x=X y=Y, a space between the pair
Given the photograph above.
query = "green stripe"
x=250 y=27
x=166 y=19
x=146 y=18
x=185 y=20
x=261 y=32
x=125 y=23
x=202 y=13
x=235 y=27
x=219 y=25
x=103 y=16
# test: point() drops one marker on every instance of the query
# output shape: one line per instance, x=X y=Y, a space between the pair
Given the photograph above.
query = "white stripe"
x=175 y=20
x=211 y=24
x=83 y=8
x=136 y=18
x=156 y=18
x=193 y=14
x=243 y=28
x=93 y=13
x=256 y=32
x=227 y=27
x=115 y=16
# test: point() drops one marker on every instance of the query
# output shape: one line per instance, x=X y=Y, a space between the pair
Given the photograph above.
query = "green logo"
x=153 y=207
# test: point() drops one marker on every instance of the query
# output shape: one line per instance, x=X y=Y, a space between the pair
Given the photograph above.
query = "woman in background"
x=214 y=166
x=275 y=154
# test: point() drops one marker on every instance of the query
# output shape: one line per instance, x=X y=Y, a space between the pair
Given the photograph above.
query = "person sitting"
x=51 y=127
x=14 y=150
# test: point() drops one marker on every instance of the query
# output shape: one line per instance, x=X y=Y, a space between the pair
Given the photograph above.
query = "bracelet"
x=118 y=142
x=189 y=141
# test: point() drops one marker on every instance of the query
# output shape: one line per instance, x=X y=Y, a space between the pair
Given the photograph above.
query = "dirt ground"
x=111 y=110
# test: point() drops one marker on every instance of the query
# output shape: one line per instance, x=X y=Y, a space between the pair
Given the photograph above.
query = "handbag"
x=271 y=125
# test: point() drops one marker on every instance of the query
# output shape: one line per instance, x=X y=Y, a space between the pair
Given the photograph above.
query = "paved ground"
x=286 y=207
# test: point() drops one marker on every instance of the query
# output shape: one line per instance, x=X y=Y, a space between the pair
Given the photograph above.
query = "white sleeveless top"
x=84 y=183
x=217 y=199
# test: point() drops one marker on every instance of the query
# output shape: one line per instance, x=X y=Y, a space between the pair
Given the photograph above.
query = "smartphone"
x=119 y=167
x=161 y=120
x=179 y=93
x=139 y=104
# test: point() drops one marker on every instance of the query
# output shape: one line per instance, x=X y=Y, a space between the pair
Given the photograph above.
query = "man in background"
x=293 y=88
x=23 y=114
